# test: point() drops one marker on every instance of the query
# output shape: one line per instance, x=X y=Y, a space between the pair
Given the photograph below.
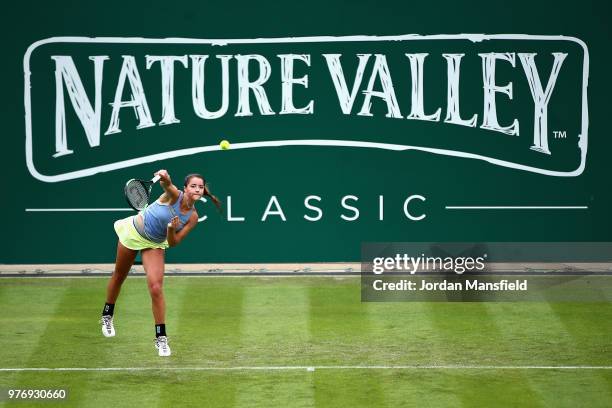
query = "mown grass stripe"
x=590 y=329
x=411 y=332
x=339 y=321
x=275 y=327
x=55 y=343
x=468 y=332
x=206 y=330
x=27 y=308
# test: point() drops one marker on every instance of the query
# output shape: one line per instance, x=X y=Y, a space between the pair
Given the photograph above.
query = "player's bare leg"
x=123 y=264
x=153 y=262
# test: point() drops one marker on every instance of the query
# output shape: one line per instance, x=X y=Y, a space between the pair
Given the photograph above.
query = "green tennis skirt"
x=130 y=238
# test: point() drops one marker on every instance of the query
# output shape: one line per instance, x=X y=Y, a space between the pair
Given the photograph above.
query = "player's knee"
x=155 y=289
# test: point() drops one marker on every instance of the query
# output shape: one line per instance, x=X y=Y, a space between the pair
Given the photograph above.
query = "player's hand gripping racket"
x=137 y=192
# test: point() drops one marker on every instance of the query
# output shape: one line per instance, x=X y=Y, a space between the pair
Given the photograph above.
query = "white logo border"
x=582 y=143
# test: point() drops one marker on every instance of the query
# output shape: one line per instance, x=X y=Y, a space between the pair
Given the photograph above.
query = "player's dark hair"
x=207 y=192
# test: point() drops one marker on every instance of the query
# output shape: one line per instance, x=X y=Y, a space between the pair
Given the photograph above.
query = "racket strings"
x=137 y=194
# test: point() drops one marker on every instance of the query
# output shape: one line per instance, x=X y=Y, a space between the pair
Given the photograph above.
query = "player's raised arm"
x=171 y=193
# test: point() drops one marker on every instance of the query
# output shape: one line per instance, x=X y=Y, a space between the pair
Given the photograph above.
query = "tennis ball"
x=224 y=145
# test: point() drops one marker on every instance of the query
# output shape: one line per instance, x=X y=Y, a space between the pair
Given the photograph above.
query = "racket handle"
x=155 y=179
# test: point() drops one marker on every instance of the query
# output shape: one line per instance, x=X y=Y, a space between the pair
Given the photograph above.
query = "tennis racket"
x=137 y=192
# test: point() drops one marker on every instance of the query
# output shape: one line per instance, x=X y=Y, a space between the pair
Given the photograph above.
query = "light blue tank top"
x=157 y=216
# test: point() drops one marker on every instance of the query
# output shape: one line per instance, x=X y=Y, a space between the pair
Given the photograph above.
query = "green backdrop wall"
x=379 y=146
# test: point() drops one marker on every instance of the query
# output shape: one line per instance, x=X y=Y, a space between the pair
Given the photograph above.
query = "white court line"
x=311 y=368
x=518 y=207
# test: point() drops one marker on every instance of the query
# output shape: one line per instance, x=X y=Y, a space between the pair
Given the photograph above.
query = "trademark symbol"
x=560 y=134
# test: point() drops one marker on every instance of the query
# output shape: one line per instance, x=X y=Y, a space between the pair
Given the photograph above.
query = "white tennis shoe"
x=108 y=330
x=161 y=344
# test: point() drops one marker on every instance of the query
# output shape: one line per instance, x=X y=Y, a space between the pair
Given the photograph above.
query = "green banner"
x=416 y=126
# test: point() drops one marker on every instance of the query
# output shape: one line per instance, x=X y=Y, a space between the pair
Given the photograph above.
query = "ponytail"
x=214 y=199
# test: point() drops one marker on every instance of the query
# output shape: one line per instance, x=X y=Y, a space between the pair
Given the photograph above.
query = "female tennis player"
x=163 y=224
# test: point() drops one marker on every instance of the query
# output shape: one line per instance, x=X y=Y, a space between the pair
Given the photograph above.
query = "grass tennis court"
x=248 y=341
